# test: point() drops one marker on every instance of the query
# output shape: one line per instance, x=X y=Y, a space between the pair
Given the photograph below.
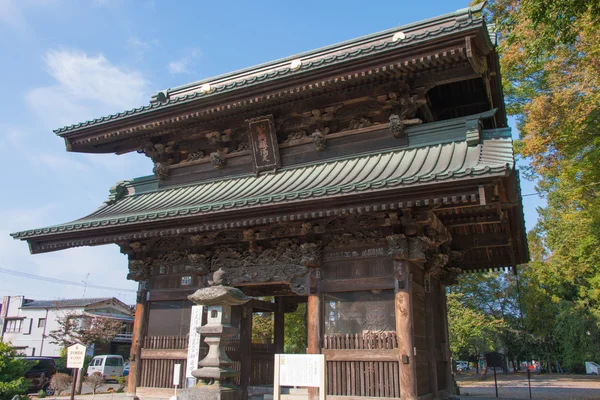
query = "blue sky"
x=65 y=61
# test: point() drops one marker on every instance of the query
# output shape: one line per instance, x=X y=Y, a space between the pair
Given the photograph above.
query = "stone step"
x=294 y=397
x=299 y=391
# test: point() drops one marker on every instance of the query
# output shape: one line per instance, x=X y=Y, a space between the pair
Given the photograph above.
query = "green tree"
x=471 y=330
x=12 y=373
x=295 y=330
x=550 y=59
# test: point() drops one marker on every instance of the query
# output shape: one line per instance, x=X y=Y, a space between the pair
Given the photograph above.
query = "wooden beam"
x=162 y=354
x=457 y=74
x=245 y=347
x=279 y=325
x=431 y=355
x=361 y=355
x=405 y=331
x=263 y=306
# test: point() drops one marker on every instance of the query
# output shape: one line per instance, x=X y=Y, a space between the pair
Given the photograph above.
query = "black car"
x=40 y=374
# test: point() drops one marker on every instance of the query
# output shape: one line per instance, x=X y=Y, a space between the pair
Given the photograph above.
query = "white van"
x=110 y=366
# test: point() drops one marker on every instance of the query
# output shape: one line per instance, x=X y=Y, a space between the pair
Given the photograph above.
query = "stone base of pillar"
x=208 y=393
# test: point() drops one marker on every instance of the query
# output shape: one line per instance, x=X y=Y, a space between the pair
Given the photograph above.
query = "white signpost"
x=176 y=378
x=76 y=356
x=193 y=345
x=305 y=370
x=75 y=360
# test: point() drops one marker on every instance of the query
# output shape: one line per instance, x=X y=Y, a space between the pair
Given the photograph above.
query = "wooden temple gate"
x=360 y=178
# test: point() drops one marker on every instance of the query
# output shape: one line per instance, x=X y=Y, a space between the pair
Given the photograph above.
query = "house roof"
x=404 y=168
x=66 y=303
x=299 y=64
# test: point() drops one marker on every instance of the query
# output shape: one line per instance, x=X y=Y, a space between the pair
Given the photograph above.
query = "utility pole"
x=85 y=283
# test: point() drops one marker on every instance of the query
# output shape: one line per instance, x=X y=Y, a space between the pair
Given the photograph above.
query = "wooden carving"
x=319 y=140
x=258 y=274
x=139 y=270
x=312 y=254
x=263 y=144
x=355 y=238
x=397 y=246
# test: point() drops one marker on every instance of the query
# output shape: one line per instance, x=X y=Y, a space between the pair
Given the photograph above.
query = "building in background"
x=26 y=323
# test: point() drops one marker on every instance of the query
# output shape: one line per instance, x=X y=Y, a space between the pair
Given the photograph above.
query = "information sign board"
x=304 y=370
x=76 y=356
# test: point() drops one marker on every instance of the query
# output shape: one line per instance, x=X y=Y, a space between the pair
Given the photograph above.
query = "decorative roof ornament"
x=295 y=64
x=398 y=36
x=206 y=88
x=117 y=192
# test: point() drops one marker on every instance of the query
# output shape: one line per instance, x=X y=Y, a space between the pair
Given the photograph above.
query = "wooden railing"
x=362 y=364
x=161 y=353
x=165 y=342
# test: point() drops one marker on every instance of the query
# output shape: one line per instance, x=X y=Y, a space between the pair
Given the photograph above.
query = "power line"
x=59 y=281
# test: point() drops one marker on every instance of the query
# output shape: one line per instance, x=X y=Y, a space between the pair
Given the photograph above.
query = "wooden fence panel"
x=161 y=353
x=362 y=364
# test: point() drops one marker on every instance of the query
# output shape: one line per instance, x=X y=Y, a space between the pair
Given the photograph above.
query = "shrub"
x=41 y=394
x=61 y=382
x=95 y=380
x=12 y=373
x=122 y=383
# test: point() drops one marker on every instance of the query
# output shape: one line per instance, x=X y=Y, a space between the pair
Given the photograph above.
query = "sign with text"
x=305 y=370
x=263 y=144
x=76 y=356
x=194 y=343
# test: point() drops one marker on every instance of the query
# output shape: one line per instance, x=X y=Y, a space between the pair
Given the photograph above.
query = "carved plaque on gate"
x=263 y=144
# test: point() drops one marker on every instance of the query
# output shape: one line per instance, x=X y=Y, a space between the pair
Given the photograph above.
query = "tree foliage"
x=78 y=328
x=12 y=373
x=550 y=61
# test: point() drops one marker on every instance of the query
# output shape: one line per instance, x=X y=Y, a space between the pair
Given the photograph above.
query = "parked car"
x=126 y=368
x=40 y=374
x=109 y=365
x=462 y=366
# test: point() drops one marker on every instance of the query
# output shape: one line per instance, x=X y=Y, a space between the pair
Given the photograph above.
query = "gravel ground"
x=547 y=387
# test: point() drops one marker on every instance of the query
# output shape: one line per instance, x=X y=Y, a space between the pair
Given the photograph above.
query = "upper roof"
x=304 y=63
x=449 y=159
x=66 y=303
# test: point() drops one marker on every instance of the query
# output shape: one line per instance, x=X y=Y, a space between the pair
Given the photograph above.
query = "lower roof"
x=374 y=172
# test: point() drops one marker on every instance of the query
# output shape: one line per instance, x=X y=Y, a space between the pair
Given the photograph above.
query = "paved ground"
x=546 y=387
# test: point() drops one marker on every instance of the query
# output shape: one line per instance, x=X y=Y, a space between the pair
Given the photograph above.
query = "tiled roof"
x=395 y=168
x=65 y=303
x=464 y=19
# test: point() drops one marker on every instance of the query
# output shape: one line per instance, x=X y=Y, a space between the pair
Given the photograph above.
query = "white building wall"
x=35 y=341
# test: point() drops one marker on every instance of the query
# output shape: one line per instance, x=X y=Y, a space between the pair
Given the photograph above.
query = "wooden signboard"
x=304 y=370
x=263 y=144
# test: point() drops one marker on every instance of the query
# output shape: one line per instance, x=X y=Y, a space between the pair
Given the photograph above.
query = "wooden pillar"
x=245 y=347
x=446 y=344
x=405 y=331
x=430 y=327
x=140 y=323
x=279 y=328
x=314 y=333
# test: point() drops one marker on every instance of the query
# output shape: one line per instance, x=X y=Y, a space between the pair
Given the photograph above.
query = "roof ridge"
x=277 y=69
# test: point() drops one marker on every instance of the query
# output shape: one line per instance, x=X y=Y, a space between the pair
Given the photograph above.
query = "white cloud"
x=11 y=15
x=85 y=87
x=140 y=47
x=183 y=65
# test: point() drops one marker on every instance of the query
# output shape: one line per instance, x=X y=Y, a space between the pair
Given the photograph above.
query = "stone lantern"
x=215 y=372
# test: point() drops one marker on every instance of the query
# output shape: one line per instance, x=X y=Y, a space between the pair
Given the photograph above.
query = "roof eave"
x=129 y=116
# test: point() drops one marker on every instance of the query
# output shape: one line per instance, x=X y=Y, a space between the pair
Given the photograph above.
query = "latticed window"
x=13 y=325
x=359 y=312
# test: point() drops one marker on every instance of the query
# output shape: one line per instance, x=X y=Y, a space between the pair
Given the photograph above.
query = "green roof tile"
x=461 y=20
x=399 y=168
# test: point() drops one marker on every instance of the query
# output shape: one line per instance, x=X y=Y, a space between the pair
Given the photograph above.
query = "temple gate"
x=360 y=179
